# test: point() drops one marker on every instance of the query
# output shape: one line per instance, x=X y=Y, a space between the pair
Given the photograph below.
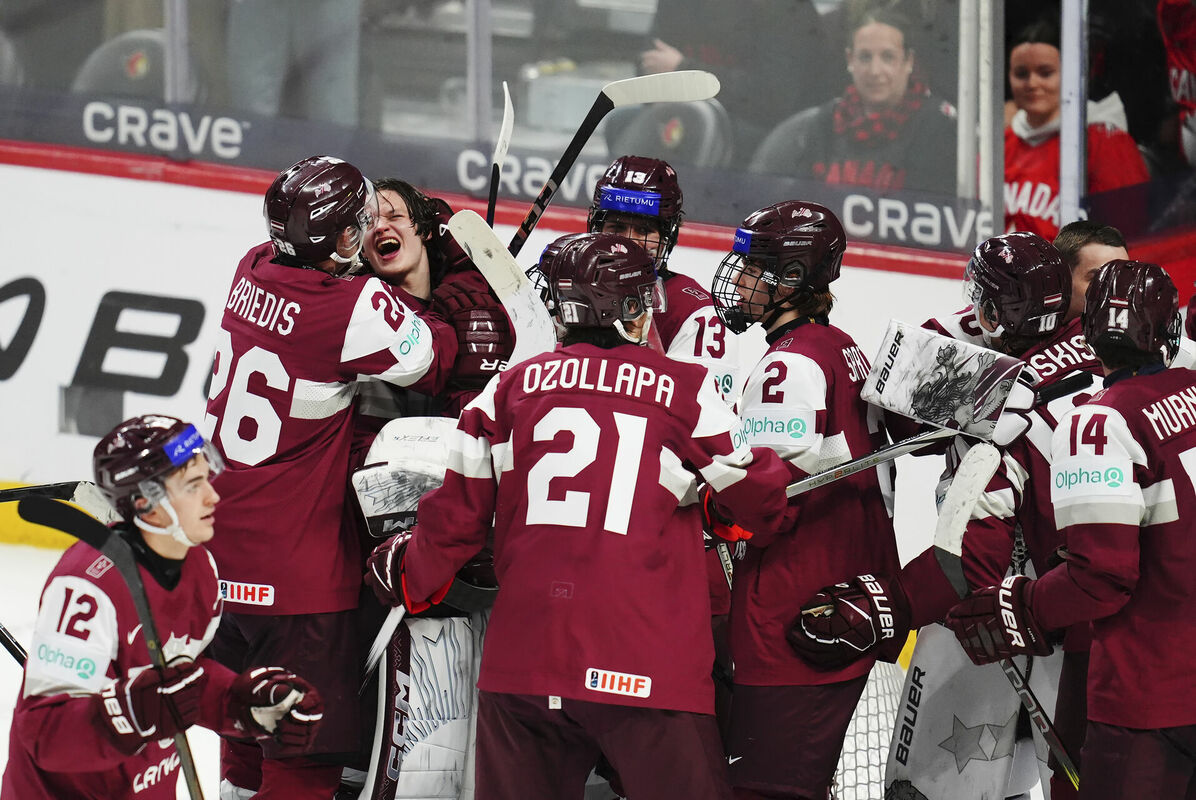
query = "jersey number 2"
x=574 y=509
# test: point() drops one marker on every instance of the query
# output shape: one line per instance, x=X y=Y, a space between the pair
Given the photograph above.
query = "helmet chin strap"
x=349 y=263
x=174 y=530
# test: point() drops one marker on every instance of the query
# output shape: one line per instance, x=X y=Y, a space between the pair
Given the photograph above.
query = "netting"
x=861 y=771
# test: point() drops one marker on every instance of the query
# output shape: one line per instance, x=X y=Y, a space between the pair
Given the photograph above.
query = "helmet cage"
x=645 y=189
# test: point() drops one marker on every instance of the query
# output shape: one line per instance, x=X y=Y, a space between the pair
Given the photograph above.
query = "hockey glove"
x=995 y=623
x=484 y=339
x=385 y=575
x=1014 y=420
x=384 y=570
x=151 y=705
x=271 y=702
x=715 y=522
x=844 y=622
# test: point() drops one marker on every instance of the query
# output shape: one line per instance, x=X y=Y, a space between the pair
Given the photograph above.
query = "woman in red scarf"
x=886 y=132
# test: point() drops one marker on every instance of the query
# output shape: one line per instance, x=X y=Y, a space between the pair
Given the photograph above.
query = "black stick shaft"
x=602 y=106
x=12 y=645
x=1041 y=720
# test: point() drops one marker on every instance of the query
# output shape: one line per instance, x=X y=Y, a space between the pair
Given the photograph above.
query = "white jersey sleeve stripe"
x=676 y=478
x=315 y=400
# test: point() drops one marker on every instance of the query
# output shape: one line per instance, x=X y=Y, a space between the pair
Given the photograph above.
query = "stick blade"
x=663 y=87
x=504 y=132
x=534 y=332
x=63 y=517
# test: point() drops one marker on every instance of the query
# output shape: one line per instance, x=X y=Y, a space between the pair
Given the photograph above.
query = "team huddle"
x=664 y=614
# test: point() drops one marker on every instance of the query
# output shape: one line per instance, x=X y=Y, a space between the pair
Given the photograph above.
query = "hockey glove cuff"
x=997 y=622
x=715 y=522
x=386 y=576
x=151 y=705
x=843 y=623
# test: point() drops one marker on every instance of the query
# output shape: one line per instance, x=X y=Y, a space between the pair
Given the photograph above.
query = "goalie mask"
x=1018 y=282
x=1134 y=305
x=781 y=255
x=309 y=205
x=134 y=460
x=639 y=191
x=599 y=280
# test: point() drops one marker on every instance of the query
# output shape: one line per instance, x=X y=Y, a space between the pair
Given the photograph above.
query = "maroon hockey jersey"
x=803 y=401
x=87 y=635
x=293 y=345
x=1122 y=470
x=587 y=460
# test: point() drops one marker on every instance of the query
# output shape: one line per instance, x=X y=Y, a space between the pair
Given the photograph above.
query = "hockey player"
x=640 y=198
x=1019 y=288
x=1085 y=246
x=1122 y=494
x=802 y=400
x=94 y=718
x=299 y=334
x=410 y=248
x=599 y=641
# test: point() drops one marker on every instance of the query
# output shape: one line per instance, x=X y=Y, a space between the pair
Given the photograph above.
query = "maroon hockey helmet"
x=795 y=245
x=1020 y=281
x=308 y=206
x=598 y=279
x=134 y=460
x=1132 y=304
x=645 y=188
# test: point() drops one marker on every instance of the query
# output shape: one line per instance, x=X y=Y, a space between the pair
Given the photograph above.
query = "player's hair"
x=814 y=303
x=1075 y=236
x=419 y=205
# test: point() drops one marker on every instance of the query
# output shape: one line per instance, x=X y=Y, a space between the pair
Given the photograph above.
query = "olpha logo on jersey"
x=604 y=680
x=768 y=429
x=162 y=129
x=1090 y=476
x=82 y=666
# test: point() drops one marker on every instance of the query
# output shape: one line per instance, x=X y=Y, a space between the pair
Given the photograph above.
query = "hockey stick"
x=12 y=646
x=875 y=458
x=378 y=647
x=82 y=493
x=534 y=332
x=60 y=516
x=971 y=478
x=500 y=152
x=672 y=87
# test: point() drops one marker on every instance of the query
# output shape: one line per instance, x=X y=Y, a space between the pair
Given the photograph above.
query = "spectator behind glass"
x=1032 y=138
x=305 y=51
x=886 y=131
x=770 y=57
x=1177 y=23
